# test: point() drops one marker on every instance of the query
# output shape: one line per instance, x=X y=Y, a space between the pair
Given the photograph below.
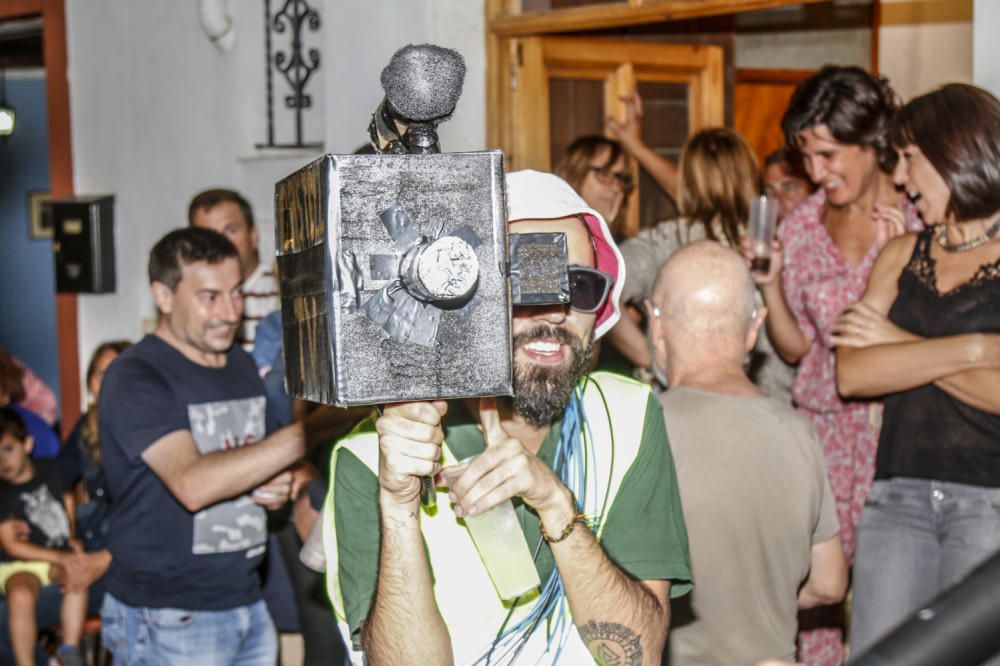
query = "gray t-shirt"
x=756 y=498
x=645 y=254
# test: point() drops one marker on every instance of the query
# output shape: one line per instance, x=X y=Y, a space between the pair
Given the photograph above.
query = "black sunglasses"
x=588 y=288
x=606 y=176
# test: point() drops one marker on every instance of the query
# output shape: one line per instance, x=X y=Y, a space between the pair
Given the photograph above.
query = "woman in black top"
x=926 y=336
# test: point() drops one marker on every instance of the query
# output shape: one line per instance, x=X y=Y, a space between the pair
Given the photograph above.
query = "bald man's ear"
x=654 y=325
x=652 y=318
x=754 y=330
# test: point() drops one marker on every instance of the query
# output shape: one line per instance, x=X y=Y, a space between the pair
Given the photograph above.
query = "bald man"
x=761 y=519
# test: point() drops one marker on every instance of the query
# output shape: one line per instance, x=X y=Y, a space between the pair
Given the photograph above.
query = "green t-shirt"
x=643 y=526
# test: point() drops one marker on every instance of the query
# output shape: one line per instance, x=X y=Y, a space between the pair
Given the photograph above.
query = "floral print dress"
x=818 y=283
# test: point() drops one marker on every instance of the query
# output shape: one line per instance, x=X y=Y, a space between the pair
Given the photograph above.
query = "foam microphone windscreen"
x=423 y=82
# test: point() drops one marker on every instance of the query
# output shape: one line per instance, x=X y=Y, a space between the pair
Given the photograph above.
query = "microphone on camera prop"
x=422 y=85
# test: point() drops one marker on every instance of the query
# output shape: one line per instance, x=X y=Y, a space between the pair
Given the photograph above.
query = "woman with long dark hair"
x=926 y=336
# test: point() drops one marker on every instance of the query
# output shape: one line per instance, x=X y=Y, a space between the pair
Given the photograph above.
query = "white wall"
x=802 y=49
x=803 y=37
x=926 y=43
x=986 y=45
x=364 y=37
x=158 y=113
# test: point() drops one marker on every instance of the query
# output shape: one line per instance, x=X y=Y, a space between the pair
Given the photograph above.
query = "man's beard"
x=541 y=393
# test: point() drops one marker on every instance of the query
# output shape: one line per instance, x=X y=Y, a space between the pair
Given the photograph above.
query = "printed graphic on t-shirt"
x=238 y=524
x=47 y=514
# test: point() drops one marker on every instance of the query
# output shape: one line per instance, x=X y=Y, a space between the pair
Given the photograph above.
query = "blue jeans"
x=242 y=636
x=916 y=538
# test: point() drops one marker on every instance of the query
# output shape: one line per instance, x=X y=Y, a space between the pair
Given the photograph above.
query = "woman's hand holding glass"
x=769 y=277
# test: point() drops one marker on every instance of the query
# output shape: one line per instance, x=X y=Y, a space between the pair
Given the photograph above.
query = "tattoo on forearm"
x=612 y=644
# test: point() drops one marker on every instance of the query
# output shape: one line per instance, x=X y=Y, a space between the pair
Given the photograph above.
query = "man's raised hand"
x=505 y=469
x=628 y=131
x=409 y=437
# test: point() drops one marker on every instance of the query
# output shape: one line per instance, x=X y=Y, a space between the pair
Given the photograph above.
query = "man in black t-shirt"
x=191 y=469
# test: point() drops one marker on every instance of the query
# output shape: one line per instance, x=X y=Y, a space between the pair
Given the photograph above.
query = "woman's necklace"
x=971 y=244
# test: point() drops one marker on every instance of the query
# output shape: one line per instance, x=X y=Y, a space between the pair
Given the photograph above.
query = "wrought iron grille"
x=295 y=65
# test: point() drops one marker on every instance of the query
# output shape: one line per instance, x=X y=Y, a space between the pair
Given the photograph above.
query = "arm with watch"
x=613 y=612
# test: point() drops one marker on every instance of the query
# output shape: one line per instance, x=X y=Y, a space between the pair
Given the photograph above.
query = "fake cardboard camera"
x=396 y=277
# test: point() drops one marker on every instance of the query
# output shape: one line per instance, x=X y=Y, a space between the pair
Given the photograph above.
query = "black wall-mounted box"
x=84 y=244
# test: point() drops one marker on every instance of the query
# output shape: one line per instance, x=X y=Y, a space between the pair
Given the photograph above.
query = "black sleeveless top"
x=927 y=433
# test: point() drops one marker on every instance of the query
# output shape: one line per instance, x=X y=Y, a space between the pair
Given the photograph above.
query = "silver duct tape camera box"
x=394 y=278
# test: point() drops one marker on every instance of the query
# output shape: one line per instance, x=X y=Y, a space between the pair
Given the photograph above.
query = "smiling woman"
x=838 y=120
x=927 y=336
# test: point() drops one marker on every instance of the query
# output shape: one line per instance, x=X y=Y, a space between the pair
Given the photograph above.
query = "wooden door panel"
x=665 y=127
x=576 y=108
x=760 y=98
x=563 y=87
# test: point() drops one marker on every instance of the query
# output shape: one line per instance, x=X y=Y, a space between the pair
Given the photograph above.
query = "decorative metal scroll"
x=295 y=65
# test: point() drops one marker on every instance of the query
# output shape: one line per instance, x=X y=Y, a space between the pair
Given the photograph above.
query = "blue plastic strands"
x=573 y=451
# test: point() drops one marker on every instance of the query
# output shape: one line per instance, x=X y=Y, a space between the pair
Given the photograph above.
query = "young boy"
x=32 y=491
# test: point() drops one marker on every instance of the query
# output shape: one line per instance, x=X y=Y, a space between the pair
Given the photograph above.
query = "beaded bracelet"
x=578 y=518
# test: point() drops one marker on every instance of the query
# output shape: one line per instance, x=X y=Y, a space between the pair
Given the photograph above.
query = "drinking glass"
x=501 y=543
x=763 y=221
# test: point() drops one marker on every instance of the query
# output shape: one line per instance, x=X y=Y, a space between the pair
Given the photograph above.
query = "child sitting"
x=32 y=491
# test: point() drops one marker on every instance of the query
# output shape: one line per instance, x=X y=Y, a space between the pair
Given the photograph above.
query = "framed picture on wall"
x=39 y=216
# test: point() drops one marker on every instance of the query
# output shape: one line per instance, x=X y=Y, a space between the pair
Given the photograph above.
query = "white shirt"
x=260 y=298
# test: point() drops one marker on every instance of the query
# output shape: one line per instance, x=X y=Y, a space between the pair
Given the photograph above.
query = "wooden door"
x=549 y=90
x=760 y=97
